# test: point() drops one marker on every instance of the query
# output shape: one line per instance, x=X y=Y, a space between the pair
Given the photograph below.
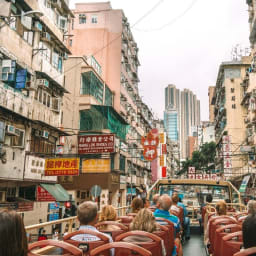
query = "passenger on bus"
x=143 y=221
x=204 y=211
x=221 y=209
x=136 y=205
x=229 y=207
x=251 y=207
x=176 y=202
x=165 y=203
x=108 y=213
x=87 y=215
x=13 y=239
x=249 y=232
x=146 y=203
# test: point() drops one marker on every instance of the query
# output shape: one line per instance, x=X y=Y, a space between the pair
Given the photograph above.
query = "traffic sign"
x=95 y=191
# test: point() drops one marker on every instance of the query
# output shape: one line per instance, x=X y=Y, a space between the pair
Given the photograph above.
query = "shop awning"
x=57 y=191
x=244 y=183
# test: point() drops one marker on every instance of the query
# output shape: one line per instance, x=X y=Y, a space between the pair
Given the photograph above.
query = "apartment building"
x=230 y=130
x=211 y=107
x=103 y=34
x=32 y=52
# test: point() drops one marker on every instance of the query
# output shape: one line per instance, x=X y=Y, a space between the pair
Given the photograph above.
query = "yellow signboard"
x=96 y=166
x=161 y=138
x=61 y=166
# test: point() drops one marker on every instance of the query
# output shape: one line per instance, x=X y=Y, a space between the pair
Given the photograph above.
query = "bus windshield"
x=195 y=195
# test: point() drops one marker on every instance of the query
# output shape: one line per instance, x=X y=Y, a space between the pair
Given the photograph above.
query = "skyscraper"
x=182 y=110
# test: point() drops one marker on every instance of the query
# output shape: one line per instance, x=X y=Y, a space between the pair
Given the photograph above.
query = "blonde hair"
x=221 y=208
x=144 y=221
x=108 y=213
x=251 y=207
x=136 y=204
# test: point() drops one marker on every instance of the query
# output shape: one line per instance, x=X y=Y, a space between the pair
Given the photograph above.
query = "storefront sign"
x=96 y=166
x=25 y=206
x=115 y=178
x=150 y=144
x=164 y=172
x=43 y=195
x=62 y=166
x=164 y=149
x=93 y=144
x=191 y=170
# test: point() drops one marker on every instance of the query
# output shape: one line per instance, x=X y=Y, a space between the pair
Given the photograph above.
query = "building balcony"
x=35 y=170
x=45 y=114
x=15 y=101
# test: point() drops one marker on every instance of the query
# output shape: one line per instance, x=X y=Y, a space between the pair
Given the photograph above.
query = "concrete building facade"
x=211 y=107
x=230 y=129
x=32 y=52
x=103 y=35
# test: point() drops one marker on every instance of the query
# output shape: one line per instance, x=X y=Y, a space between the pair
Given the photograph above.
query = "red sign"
x=25 y=206
x=93 y=144
x=164 y=172
x=43 y=195
x=150 y=144
x=164 y=149
x=62 y=167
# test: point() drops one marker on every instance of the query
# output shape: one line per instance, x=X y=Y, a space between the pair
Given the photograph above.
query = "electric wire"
x=170 y=22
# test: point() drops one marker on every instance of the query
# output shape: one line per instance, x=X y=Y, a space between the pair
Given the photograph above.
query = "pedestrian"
x=42 y=236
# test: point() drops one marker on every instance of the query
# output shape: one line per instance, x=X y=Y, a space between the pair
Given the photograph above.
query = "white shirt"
x=88 y=237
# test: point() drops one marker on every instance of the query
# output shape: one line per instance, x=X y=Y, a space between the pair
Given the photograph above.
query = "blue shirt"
x=184 y=209
x=166 y=215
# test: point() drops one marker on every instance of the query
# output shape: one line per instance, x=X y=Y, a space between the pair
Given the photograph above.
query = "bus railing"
x=70 y=221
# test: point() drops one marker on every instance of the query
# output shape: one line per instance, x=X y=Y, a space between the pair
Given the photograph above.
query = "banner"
x=96 y=166
x=150 y=144
x=93 y=144
x=43 y=195
x=244 y=183
x=61 y=166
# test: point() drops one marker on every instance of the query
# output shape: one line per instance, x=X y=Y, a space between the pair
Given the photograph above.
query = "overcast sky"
x=188 y=51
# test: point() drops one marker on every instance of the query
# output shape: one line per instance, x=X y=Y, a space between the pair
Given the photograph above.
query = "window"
x=17 y=140
x=82 y=20
x=233 y=98
x=233 y=106
x=46 y=52
x=232 y=90
x=94 y=19
x=28 y=36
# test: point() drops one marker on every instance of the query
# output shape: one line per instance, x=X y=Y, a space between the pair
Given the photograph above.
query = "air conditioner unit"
x=2 y=196
x=11 y=130
x=37 y=26
x=7 y=76
x=45 y=134
x=38 y=133
x=17 y=132
x=42 y=82
x=46 y=37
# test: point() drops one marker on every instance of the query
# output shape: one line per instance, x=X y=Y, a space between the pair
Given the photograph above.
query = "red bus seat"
x=247 y=252
x=216 y=224
x=170 y=226
x=164 y=233
x=121 y=249
x=221 y=232
x=155 y=247
x=86 y=246
x=132 y=214
x=112 y=233
x=125 y=220
x=69 y=248
x=231 y=243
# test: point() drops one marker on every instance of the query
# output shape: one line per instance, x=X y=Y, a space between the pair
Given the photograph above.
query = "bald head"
x=156 y=198
x=165 y=202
